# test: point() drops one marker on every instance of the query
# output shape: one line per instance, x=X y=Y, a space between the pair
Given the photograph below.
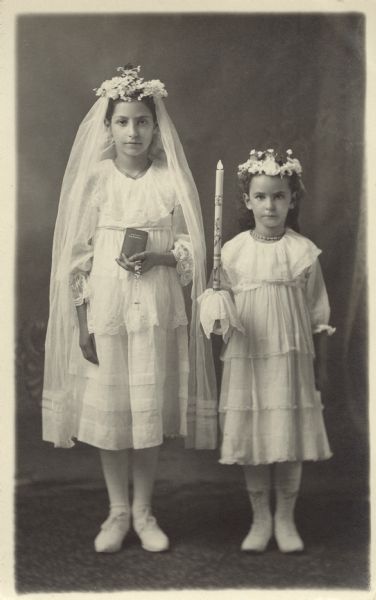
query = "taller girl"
x=119 y=374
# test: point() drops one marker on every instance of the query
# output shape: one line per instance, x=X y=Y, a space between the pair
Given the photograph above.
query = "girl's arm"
x=86 y=339
x=320 y=341
x=217 y=309
x=81 y=264
x=182 y=249
x=320 y=312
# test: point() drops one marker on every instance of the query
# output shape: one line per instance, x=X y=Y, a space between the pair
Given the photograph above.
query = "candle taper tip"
x=219 y=165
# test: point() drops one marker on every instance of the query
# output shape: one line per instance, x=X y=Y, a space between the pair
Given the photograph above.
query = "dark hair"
x=246 y=217
x=148 y=101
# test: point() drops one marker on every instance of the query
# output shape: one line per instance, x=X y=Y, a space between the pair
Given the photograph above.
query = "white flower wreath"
x=129 y=86
x=267 y=162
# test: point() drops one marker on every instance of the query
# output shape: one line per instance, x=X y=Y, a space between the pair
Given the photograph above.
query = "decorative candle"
x=218 y=226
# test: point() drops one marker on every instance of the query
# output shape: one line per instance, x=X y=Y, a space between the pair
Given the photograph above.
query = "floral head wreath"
x=268 y=162
x=129 y=86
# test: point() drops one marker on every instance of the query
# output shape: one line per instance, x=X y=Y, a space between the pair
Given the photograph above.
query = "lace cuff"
x=184 y=261
x=319 y=328
x=80 y=288
x=218 y=313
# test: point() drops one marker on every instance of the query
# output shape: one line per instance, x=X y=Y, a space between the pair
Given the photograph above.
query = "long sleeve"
x=83 y=249
x=182 y=249
x=83 y=255
x=317 y=299
x=225 y=280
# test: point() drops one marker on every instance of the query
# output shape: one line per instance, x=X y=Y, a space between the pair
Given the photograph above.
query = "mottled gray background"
x=235 y=81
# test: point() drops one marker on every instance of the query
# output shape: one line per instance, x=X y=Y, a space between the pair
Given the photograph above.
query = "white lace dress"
x=138 y=393
x=270 y=409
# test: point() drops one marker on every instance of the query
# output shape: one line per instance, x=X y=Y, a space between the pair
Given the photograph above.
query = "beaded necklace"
x=266 y=238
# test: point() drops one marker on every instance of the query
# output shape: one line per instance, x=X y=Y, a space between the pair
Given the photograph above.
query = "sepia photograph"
x=191 y=300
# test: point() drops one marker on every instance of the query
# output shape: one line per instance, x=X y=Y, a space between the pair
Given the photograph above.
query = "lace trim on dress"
x=184 y=261
x=291 y=458
x=145 y=200
x=254 y=409
x=80 y=287
x=319 y=328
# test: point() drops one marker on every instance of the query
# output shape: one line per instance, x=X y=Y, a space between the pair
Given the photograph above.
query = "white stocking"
x=115 y=471
x=145 y=463
x=287 y=477
x=257 y=478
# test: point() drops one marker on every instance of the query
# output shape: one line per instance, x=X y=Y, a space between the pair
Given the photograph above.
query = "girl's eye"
x=259 y=196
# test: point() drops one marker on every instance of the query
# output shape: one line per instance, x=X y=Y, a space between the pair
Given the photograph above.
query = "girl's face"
x=132 y=127
x=270 y=199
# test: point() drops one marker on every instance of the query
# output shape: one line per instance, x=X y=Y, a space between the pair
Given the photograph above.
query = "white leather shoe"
x=285 y=532
x=287 y=537
x=262 y=525
x=258 y=537
x=151 y=535
x=112 y=533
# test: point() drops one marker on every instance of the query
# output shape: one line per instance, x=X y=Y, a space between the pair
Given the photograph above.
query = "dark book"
x=135 y=241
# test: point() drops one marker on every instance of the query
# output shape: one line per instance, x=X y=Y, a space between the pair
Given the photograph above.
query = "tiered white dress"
x=270 y=409
x=138 y=393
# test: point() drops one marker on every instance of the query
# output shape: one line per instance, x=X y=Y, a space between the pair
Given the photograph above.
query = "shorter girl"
x=270 y=404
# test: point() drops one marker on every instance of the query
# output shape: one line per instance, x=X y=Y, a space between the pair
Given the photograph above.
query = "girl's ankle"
x=119 y=509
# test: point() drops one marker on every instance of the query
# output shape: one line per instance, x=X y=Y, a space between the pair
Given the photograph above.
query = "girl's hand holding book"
x=147 y=260
x=128 y=263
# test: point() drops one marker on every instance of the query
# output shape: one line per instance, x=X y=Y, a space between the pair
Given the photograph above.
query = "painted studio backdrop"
x=235 y=82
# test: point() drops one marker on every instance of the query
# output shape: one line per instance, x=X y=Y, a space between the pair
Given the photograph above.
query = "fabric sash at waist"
x=119 y=228
x=296 y=283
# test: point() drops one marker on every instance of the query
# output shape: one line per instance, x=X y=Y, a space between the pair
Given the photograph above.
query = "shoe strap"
x=145 y=522
x=111 y=519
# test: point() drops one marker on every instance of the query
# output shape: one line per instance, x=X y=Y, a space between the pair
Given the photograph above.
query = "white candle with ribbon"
x=218 y=226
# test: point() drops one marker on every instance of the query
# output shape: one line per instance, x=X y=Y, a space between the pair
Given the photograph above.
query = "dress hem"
x=126 y=447
x=235 y=461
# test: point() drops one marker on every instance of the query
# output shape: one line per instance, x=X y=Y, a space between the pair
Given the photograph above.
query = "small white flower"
x=129 y=85
x=266 y=163
x=114 y=94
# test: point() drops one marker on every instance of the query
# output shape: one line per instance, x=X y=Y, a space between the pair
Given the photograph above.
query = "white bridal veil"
x=73 y=223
